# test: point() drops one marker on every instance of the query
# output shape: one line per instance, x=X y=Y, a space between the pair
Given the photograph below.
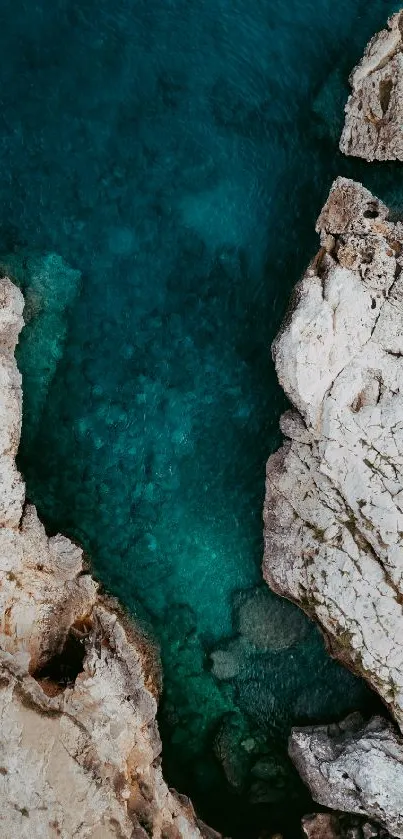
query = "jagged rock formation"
x=333 y=510
x=356 y=767
x=79 y=744
x=374 y=112
x=332 y=826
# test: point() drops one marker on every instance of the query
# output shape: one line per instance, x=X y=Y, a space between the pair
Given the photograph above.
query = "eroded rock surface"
x=339 y=826
x=334 y=493
x=79 y=744
x=374 y=112
x=356 y=767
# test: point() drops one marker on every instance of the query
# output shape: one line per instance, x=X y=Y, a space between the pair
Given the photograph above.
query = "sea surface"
x=162 y=166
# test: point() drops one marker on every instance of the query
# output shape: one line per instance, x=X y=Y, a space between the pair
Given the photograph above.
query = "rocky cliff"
x=333 y=510
x=355 y=766
x=374 y=112
x=79 y=744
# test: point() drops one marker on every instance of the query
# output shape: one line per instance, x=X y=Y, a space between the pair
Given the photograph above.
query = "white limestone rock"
x=79 y=744
x=356 y=767
x=334 y=494
x=374 y=112
x=333 y=511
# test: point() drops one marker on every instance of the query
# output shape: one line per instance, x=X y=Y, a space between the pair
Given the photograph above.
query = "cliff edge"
x=373 y=126
x=333 y=511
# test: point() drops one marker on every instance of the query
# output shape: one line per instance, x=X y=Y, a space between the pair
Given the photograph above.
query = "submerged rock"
x=333 y=511
x=374 y=112
x=79 y=744
x=226 y=663
x=268 y=623
x=263 y=624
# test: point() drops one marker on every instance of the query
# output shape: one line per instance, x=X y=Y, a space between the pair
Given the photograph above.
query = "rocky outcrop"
x=356 y=767
x=332 y=826
x=333 y=511
x=374 y=112
x=79 y=744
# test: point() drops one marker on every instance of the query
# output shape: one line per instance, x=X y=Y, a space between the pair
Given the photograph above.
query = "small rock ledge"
x=356 y=766
x=79 y=744
x=374 y=112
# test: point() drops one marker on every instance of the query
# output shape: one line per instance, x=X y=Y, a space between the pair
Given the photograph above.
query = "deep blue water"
x=176 y=154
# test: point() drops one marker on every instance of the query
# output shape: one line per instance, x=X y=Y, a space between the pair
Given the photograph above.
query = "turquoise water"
x=163 y=163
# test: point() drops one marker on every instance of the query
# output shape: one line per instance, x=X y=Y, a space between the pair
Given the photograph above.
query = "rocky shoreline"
x=80 y=749
x=333 y=512
x=333 y=520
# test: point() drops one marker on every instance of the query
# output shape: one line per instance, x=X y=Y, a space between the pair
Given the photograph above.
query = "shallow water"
x=177 y=153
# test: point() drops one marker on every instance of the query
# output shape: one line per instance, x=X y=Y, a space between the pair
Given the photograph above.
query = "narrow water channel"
x=162 y=165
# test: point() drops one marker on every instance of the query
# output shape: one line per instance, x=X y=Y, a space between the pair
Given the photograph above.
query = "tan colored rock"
x=337 y=826
x=321 y=826
x=374 y=112
x=79 y=744
x=11 y=486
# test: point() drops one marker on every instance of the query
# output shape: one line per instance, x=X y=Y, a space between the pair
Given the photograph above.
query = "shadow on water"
x=177 y=154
